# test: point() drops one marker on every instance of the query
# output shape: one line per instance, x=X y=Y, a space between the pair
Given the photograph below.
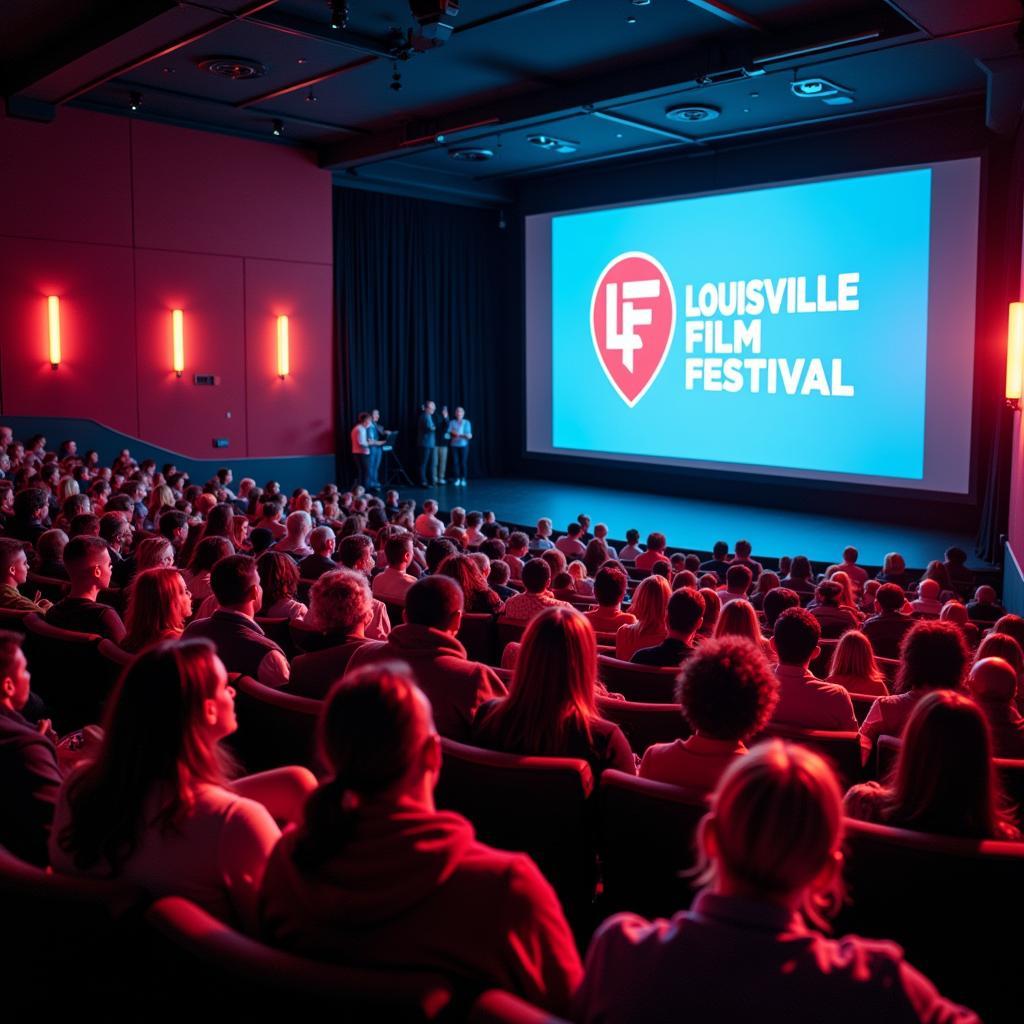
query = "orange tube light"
x=1015 y=354
x=53 y=313
x=178 y=340
x=283 y=357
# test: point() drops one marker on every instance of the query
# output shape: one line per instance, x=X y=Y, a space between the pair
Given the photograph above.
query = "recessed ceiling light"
x=817 y=89
x=691 y=113
x=236 y=68
x=553 y=145
x=472 y=155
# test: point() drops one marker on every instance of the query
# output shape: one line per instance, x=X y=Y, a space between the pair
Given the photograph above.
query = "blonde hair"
x=738 y=618
x=650 y=603
x=894 y=563
x=846 y=597
x=854 y=658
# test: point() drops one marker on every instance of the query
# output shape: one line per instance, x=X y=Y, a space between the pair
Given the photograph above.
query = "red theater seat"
x=275 y=728
x=498 y=1007
x=843 y=750
x=644 y=724
x=479 y=635
x=646 y=684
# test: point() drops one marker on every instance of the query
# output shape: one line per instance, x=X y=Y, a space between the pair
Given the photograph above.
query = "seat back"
x=861 y=706
x=50 y=588
x=509 y=631
x=644 y=724
x=313 y=674
x=274 y=728
x=498 y=1007
x=68 y=672
x=645 y=684
x=206 y=960
x=647 y=837
x=303 y=637
x=12 y=620
x=479 y=635
x=843 y=750
x=537 y=805
x=954 y=905
x=278 y=631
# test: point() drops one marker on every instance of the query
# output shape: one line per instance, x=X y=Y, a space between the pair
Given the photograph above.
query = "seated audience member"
x=356 y=553
x=985 y=607
x=156 y=809
x=806 y=702
x=866 y=605
x=428 y=525
x=537 y=596
x=279 y=580
x=847 y=597
x=743 y=557
x=542 y=536
x=241 y=643
x=151 y=553
x=650 y=606
x=391 y=584
x=683 y=615
x=889 y=626
x=477 y=596
x=562 y=588
x=632 y=550
x=766 y=582
x=927 y=602
x=474 y=532
x=159 y=606
x=738 y=618
x=936 y=571
x=484 y=917
x=993 y=684
x=28 y=762
x=270 y=519
x=854 y=667
x=208 y=552
x=727 y=692
x=437 y=551
x=556 y=560
x=321 y=543
x=833 y=618
x=516 y=553
x=662 y=569
x=582 y=585
x=933 y=656
x=117 y=533
x=737 y=583
x=801 y=576
x=719 y=561
x=426 y=641
x=595 y=556
x=31 y=509
x=712 y=610
x=943 y=781
x=550 y=710
x=609 y=589
x=858 y=576
x=956 y=566
x=1002 y=645
x=956 y=612
x=684 y=578
x=570 y=544
x=601 y=535
x=1011 y=625
x=13 y=573
x=894 y=570
x=298 y=527
x=656 y=544
x=498 y=576
x=50 y=549
x=770 y=853
x=88 y=563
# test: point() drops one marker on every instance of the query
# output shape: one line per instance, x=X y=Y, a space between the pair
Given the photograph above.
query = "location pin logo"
x=632 y=320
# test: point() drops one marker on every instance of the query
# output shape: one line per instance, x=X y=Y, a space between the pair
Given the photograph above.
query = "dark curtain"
x=419 y=295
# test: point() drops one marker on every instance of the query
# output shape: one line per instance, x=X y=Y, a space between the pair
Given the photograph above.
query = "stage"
x=695 y=525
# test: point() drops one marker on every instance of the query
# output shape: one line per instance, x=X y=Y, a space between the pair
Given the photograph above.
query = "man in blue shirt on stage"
x=426 y=439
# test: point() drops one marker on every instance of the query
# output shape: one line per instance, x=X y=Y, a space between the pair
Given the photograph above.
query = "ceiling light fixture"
x=691 y=113
x=339 y=14
x=135 y=100
x=278 y=126
x=821 y=89
x=552 y=145
x=473 y=155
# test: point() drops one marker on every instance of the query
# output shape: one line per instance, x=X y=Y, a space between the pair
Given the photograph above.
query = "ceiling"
x=528 y=87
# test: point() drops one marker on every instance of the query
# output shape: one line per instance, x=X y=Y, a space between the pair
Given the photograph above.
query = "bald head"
x=993 y=679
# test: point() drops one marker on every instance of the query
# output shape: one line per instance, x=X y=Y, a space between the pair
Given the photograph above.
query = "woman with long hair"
x=477 y=595
x=894 y=570
x=160 y=498
x=944 y=780
x=770 y=861
x=937 y=571
x=649 y=605
x=551 y=707
x=377 y=875
x=155 y=808
x=712 y=610
x=800 y=576
x=765 y=582
x=208 y=552
x=738 y=618
x=854 y=666
x=833 y=617
x=279 y=578
x=159 y=606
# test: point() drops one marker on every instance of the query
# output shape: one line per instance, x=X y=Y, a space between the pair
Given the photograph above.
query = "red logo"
x=632 y=320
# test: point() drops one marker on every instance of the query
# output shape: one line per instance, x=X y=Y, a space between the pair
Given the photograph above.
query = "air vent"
x=692 y=114
x=471 y=154
x=239 y=69
x=553 y=145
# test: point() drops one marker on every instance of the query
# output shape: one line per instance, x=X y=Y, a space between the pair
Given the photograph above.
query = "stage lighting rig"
x=339 y=13
x=433 y=22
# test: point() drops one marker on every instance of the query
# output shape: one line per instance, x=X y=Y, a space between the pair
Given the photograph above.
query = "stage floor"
x=697 y=524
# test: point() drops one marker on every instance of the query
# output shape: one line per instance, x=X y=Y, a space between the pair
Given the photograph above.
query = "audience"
x=610 y=586
x=738 y=618
x=858 y=576
x=208 y=552
x=727 y=693
x=88 y=563
x=993 y=684
x=737 y=583
x=766 y=582
x=632 y=550
x=833 y=617
x=854 y=667
x=889 y=626
x=159 y=606
x=537 y=596
x=279 y=580
x=13 y=574
x=719 y=562
x=477 y=596
x=927 y=603
x=683 y=615
x=985 y=607
x=800 y=578
x=50 y=549
x=894 y=570
x=321 y=542
x=650 y=606
x=656 y=544
x=376 y=875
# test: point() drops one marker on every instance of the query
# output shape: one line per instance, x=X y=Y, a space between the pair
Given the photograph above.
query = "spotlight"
x=278 y=126
x=135 y=100
x=396 y=78
x=339 y=14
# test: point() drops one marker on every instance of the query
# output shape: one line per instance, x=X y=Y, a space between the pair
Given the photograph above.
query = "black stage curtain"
x=419 y=295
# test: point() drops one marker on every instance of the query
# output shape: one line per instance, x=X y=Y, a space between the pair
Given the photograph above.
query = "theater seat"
x=208 y=964
x=275 y=728
x=498 y=1007
x=647 y=834
x=844 y=750
x=954 y=905
x=538 y=805
x=12 y=620
x=278 y=631
x=646 y=684
x=478 y=634
x=644 y=724
x=509 y=631
x=313 y=674
x=50 y=588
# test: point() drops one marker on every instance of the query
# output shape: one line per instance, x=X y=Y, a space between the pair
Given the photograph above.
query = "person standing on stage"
x=440 y=461
x=361 y=448
x=376 y=438
x=426 y=439
x=460 y=430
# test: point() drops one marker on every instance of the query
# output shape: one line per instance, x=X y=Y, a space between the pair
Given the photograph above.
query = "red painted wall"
x=127 y=220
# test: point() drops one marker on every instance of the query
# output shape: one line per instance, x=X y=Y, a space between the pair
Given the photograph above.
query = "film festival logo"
x=632 y=320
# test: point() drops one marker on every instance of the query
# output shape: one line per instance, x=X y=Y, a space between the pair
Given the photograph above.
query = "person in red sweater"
x=377 y=877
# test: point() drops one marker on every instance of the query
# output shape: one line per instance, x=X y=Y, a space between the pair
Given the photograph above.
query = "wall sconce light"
x=1015 y=355
x=53 y=312
x=178 y=340
x=283 y=362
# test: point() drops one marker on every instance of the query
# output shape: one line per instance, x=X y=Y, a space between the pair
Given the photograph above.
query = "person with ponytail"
x=377 y=877
x=156 y=808
x=751 y=947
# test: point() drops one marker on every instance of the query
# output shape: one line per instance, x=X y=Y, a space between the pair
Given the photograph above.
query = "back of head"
x=738 y=578
x=894 y=564
x=954 y=611
x=855 y=658
x=956 y=556
x=1011 y=625
x=208 y=552
x=170 y=521
x=776 y=819
x=850 y=555
x=298 y=524
x=536 y=575
x=933 y=656
x=928 y=589
x=232 y=580
x=279 y=577
x=828 y=592
x=340 y=601
x=796 y=635
x=685 y=610
x=776 y=602
x=82 y=553
x=610 y=587
x=353 y=549
x=499 y=573
x=890 y=597
x=51 y=544
x=438 y=550
x=684 y=578
x=993 y=679
x=152 y=553
x=433 y=601
x=800 y=569
x=656 y=542
x=556 y=560
x=650 y=603
x=1001 y=645
x=712 y=609
x=720 y=550
x=738 y=618
x=743 y=548
x=727 y=689
x=396 y=549
x=321 y=540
